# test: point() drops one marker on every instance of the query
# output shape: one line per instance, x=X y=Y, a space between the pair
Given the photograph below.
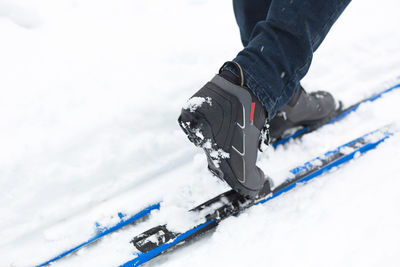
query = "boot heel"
x=195 y=127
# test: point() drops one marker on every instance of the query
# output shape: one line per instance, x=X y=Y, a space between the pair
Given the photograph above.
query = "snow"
x=216 y=155
x=195 y=102
x=90 y=94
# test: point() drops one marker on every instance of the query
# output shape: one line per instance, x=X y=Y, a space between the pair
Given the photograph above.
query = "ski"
x=103 y=232
x=143 y=214
x=340 y=115
x=158 y=240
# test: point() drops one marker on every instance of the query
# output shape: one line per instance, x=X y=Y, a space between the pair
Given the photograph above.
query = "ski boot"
x=303 y=110
x=226 y=120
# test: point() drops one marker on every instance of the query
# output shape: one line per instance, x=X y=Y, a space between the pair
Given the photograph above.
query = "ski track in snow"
x=90 y=96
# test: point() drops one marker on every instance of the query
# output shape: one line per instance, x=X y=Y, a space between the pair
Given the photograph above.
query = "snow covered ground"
x=89 y=95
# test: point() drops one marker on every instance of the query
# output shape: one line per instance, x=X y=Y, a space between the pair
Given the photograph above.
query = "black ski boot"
x=226 y=120
x=303 y=110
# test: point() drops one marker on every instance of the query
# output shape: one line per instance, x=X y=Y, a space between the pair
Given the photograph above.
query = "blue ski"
x=143 y=213
x=158 y=240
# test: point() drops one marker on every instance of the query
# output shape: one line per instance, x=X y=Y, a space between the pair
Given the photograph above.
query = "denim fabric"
x=279 y=38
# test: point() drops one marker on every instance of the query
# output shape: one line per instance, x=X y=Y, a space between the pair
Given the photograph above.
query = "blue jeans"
x=279 y=38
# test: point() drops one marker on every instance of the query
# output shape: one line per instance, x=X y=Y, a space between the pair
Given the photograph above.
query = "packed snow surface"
x=90 y=94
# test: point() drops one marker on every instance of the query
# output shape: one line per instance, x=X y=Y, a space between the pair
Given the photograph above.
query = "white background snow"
x=90 y=91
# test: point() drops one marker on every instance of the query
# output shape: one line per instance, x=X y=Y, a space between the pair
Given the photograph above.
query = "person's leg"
x=247 y=14
x=228 y=116
x=280 y=47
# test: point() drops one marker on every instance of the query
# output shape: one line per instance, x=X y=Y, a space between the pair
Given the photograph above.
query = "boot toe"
x=326 y=102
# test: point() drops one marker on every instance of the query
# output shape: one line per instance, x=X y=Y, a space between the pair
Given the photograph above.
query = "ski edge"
x=141 y=214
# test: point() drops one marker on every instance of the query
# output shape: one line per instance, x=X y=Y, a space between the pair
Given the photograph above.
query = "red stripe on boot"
x=253 y=107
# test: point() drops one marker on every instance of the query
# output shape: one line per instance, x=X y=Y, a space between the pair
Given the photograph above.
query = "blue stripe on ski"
x=107 y=231
x=344 y=114
x=371 y=99
x=365 y=148
x=145 y=257
x=142 y=258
